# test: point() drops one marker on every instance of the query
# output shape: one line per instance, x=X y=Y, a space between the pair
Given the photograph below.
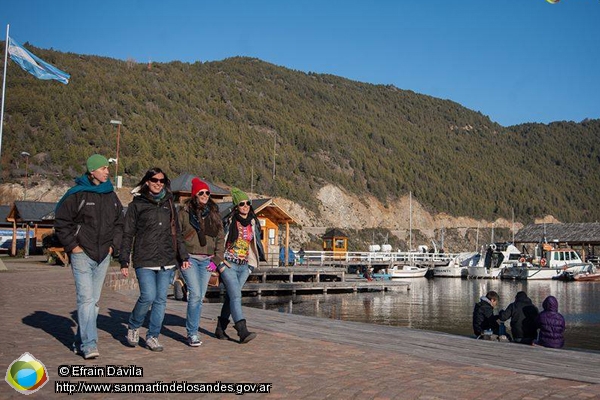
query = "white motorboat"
x=457 y=267
x=398 y=271
x=549 y=262
x=498 y=256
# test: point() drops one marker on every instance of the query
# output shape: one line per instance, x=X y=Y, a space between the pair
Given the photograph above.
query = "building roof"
x=586 y=233
x=263 y=208
x=31 y=211
x=331 y=233
x=4 y=210
x=183 y=184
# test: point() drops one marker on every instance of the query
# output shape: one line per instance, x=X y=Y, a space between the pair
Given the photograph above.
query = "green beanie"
x=96 y=161
x=237 y=196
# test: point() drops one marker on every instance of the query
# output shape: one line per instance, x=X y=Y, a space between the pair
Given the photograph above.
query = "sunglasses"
x=156 y=180
x=203 y=193
x=244 y=203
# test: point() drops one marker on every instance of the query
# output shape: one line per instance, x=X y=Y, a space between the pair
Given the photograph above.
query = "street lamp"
x=26 y=155
x=118 y=124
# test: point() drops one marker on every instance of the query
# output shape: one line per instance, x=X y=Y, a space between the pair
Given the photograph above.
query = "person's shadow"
x=57 y=326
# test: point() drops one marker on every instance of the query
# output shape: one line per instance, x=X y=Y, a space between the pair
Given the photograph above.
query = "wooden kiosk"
x=336 y=241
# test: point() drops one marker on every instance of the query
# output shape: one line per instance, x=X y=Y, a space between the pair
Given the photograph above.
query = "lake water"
x=446 y=305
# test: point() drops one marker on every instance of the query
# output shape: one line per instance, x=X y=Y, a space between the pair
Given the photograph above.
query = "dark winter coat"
x=522 y=314
x=483 y=317
x=92 y=221
x=215 y=245
x=551 y=325
x=149 y=222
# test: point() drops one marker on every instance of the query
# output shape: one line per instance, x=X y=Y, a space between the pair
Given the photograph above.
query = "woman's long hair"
x=144 y=189
x=213 y=219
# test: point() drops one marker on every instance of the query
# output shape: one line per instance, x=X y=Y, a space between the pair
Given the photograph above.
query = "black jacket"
x=522 y=314
x=483 y=317
x=149 y=223
x=92 y=221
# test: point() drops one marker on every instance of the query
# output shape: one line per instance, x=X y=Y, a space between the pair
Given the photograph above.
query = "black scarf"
x=233 y=230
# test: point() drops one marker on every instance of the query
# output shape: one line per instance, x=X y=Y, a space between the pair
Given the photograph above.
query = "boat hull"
x=532 y=273
x=448 y=271
x=406 y=271
x=479 y=272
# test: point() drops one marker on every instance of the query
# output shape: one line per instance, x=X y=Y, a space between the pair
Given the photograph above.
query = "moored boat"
x=498 y=256
x=398 y=271
x=549 y=262
x=457 y=267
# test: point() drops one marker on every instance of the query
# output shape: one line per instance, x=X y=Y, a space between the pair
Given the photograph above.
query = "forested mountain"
x=224 y=120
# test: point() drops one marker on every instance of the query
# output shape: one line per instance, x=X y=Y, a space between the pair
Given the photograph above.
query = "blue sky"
x=515 y=61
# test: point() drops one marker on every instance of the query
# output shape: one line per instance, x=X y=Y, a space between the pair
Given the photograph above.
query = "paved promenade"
x=302 y=357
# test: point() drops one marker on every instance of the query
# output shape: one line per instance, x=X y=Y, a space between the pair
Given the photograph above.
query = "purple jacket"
x=551 y=325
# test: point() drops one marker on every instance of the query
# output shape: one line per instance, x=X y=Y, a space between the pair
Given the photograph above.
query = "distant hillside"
x=224 y=120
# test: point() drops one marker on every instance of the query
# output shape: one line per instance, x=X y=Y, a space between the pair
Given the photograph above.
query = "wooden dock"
x=303 y=280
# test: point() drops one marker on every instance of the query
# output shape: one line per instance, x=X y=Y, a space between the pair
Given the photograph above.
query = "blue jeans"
x=154 y=285
x=234 y=278
x=89 y=279
x=196 y=278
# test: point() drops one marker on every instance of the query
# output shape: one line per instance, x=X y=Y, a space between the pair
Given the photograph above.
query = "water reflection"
x=446 y=305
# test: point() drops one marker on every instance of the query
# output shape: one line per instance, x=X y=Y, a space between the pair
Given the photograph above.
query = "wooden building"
x=583 y=237
x=30 y=214
x=271 y=218
x=336 y=241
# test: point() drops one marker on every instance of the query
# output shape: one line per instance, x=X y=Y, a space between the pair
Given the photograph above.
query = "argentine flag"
x=34 y=65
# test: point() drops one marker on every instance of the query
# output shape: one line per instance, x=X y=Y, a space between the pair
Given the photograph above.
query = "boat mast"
x=410 y=221
x=513 y=226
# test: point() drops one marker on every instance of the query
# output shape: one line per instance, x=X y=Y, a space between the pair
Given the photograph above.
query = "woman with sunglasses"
x=203 y=236
x=243 y=251
x=151 y=227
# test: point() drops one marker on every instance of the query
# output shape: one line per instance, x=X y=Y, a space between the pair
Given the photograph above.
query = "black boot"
x=242 y=331
x=221 y=326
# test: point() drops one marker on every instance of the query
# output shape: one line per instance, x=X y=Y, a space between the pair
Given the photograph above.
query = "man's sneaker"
x=76 y=349
x=91 y=353
x=133 y=337
x=153 y=344
x=194 y=341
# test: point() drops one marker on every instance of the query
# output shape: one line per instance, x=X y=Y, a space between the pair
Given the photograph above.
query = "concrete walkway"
x=302 y=357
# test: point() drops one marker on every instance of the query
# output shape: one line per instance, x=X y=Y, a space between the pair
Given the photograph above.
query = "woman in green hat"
x=243 y=251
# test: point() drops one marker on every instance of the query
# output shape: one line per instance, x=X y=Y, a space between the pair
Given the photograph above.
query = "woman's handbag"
x=213 y=281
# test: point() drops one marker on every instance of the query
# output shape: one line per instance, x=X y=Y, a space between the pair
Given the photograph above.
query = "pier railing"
x=366 y=258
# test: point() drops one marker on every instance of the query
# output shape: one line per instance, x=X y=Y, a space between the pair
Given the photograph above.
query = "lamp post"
x=118 y=124
x=26 y=155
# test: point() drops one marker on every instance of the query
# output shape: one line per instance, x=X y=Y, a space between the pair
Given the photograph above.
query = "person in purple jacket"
x=551 y=325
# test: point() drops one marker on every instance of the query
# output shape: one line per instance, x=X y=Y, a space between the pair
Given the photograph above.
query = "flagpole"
x=3 y=88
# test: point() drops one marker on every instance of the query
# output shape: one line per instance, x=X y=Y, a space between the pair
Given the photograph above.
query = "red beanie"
x=198 y=185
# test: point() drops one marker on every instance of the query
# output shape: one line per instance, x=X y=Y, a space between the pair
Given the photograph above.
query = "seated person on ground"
x=483 y=314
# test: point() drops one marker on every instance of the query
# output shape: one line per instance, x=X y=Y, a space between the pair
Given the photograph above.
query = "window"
x=271 y=236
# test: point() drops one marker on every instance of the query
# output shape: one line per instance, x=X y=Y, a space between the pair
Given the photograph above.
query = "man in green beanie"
x=89 y=224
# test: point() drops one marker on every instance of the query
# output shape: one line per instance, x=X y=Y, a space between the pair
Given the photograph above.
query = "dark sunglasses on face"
x=203 y=192
x=156 y=180
x=244 y=203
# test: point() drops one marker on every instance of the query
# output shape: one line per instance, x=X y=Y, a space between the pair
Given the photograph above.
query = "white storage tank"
x=386 y=248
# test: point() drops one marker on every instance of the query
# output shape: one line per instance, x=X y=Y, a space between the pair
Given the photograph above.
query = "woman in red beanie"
x=203 y=235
